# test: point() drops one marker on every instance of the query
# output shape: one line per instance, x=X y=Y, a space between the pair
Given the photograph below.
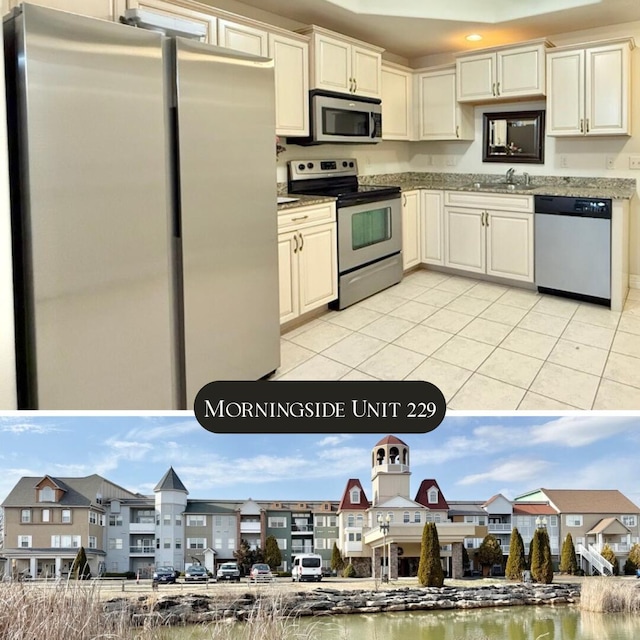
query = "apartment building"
x=47 y=519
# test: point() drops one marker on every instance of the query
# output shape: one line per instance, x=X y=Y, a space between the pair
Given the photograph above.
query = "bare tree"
x=1 y=527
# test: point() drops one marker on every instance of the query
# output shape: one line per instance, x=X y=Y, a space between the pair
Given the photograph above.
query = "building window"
x=66 y=516
x=553 y=521
x=282 y=543
x=390 y=517
x=24 y=542
x=103 y=519
x=157 y=543
x=218 y=521
x=231 y=544
x=115 y=543
x=351 y=520
x=359 y=520
x=355 y=496
x=46 y=494
x=178 y=543
x=167 y=543
x=166 y=519
x=196 y=543
x=196 y=521
x=355 y=537
x=629 y=521
x=332 y=521
x=405 y=517
x=574 y=521
x=25 y=516
x=432 y=496
x=115 y=521
x=277 y=522
x=93 y=542
x=65 y=542
x=46 y=515
x=93 y=517
x=416 y=516
x=178 y=521
x=217 y=543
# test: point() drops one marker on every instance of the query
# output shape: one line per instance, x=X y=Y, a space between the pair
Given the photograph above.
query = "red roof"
x=423 y=496
x=346 y=503
x=391 y=440
x=520 y=509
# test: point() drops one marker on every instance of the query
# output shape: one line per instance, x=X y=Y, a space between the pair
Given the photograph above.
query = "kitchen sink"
x=284 y=199
x=502 y=186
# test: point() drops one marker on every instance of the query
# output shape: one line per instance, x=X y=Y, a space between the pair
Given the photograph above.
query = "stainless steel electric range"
x=369 y=225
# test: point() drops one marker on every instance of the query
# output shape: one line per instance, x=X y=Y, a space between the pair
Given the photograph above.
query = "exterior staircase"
x=595 y=560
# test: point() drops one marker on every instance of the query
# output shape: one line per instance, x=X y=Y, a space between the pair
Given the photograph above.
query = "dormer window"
x=355 y=496
x=432 y=496
x=46 y=494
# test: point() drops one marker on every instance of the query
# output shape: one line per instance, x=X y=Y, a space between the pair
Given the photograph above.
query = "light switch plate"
x=634 y=162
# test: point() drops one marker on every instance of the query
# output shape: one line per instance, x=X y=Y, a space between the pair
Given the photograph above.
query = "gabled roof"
x=398 y=502
x=170 y=482
x=590 y=501
x=345 y=502
x=611 y=526
x=423 y=498
x=524 y=509
x=465 y=508
x=391 y=440
x=208 y=507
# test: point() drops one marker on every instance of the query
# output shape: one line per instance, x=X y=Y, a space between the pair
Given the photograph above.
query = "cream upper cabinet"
x=341 y=64
x=482 y=234
x=166 y=8
x=440 y=116
x=504 y=73
x=410 y=229
x=104 y=9
x=396 y=102
x=589 y=90
x=241 y=37
x=291 y=62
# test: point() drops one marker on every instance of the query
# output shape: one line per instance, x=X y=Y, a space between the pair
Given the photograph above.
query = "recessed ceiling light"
x=474 y=37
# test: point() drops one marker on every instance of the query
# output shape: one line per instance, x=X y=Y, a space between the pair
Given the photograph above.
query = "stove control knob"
x=351 y=164
x=300 y=167
x=344 y=163
x=309 y=165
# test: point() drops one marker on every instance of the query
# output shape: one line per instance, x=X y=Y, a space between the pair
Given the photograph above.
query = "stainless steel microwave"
x=336 y=117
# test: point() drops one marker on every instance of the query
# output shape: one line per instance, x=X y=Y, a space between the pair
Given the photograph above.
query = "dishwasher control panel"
x=569 y=206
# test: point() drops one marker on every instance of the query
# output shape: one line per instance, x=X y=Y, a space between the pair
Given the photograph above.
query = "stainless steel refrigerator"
x=144 y=214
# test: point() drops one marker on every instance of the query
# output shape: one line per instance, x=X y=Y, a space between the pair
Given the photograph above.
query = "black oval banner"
x=319 y=407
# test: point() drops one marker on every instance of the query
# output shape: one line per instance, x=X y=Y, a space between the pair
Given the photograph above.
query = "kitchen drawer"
x=303 y=216
x=499 y=201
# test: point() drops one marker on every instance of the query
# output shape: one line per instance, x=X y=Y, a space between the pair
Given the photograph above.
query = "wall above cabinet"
x=502 y=73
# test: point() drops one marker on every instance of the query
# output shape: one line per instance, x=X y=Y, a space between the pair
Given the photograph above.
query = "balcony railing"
x=142 y=550
x=499 y=526
x=301 y=528
x=249 y=527
x=617 y=547
x=298 y=549
x=142 y=527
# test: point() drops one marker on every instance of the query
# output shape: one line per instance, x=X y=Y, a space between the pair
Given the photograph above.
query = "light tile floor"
x=486 y=346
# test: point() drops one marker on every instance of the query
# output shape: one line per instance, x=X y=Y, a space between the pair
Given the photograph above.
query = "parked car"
x=196 y=572
x=261 y=572
x=228 y=571
x=165 y=574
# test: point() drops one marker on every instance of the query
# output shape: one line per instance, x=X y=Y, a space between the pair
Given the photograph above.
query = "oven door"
x=368 y=232
x=345 y=120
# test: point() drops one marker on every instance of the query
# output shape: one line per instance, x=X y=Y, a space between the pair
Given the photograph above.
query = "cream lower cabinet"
x=432 y=227
x=410 y=229
x=308 y=259
x=489 y=238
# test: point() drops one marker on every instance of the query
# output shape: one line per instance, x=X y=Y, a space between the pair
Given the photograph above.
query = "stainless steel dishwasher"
x=573 y=247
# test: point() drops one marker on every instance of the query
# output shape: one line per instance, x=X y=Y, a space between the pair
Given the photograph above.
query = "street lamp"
x=541 y=522
x=383 y=523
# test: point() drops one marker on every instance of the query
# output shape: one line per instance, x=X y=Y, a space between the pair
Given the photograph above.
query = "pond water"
x=511 y=623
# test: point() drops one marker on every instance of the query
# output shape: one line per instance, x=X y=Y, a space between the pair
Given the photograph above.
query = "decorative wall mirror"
x=514 y=136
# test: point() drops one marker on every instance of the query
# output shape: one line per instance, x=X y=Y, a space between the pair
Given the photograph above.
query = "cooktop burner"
x=336 y=178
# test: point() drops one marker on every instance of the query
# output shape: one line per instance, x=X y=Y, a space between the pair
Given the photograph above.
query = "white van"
x=307 y=566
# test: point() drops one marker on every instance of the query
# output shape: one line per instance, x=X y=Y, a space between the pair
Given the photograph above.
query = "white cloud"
x=514 y=471
x=24 y=426
x=579 y=431
x=331 y=441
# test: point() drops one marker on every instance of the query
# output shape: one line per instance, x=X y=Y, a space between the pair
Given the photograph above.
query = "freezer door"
x=226 y=140
x=92 y=214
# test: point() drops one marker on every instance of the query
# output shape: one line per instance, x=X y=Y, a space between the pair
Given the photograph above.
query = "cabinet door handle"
x=301 y=241
x=351 y=87
x=457 y=131
x=493 y=89
x=404 y=199
x=295 y=244
x=498 y=89
x=482 y=218
x=486 y=213
x=581 y=125
x=587 y=125
x=355 y=84
x=299 y=218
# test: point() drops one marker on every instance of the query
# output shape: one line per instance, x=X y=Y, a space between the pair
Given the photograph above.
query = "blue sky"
x=471 y=457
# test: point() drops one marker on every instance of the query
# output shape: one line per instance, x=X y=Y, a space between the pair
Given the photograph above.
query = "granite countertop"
x=301 y=200
x=583 y=187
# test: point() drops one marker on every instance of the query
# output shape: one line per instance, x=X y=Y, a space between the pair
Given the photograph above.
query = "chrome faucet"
x=510 y=173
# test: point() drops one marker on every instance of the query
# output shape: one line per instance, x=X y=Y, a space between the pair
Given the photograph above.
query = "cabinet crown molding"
x=628 y=40
x=315 y=29
x=514 y=45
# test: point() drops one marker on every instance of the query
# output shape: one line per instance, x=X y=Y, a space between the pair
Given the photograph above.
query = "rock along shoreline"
x=199 y=609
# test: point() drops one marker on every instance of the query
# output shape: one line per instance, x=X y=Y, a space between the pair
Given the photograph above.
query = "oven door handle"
x=367 y=199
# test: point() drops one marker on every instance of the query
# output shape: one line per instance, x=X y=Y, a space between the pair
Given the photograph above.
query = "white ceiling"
x=416 y=28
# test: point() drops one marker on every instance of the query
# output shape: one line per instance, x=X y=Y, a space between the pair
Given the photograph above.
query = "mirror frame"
x=537 y=116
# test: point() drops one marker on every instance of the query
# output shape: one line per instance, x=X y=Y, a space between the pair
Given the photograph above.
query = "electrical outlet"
x=611 y=162
x=451 y=161
x=564 y=162
x=634 y=162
